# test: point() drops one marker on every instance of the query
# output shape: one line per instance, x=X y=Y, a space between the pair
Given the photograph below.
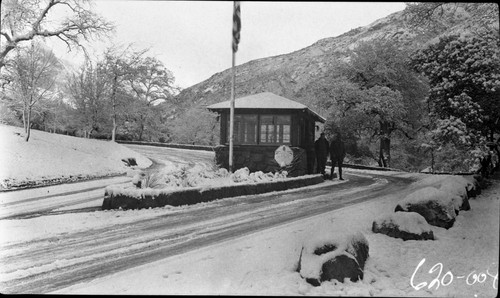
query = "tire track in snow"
x=46 y=265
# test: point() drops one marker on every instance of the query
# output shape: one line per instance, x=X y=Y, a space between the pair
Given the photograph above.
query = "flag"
x=236 y=25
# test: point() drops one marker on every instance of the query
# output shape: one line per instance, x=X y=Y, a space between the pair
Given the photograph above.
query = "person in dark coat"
x=337 y=154
x=321 y=149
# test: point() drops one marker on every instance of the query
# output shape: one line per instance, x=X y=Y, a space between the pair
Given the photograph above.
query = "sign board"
x=283 y=155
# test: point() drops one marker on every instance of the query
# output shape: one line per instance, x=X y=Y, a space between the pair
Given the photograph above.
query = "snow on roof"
x=265 y=100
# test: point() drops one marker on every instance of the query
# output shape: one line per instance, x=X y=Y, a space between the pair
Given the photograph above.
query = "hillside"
x=51 y=157
x=291 y=75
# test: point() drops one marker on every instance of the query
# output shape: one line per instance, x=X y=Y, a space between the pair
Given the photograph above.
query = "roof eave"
x=315 y=115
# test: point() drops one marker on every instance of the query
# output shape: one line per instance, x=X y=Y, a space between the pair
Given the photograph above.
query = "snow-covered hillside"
x=50 y=156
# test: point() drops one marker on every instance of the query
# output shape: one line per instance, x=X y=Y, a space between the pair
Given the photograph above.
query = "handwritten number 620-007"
x=448 y=277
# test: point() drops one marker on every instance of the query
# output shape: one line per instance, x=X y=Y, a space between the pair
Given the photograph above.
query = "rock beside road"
x=334 y=257
x=404 y=225
x=436 y=206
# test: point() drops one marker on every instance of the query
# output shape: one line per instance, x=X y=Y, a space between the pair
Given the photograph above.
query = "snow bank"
x=50 y=156
x=177 y=177
x=134 y=198
x=181 y=185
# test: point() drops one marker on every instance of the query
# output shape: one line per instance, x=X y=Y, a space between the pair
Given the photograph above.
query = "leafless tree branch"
x=82 y=24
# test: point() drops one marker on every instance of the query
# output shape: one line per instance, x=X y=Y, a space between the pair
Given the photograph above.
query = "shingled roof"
x=265 y=101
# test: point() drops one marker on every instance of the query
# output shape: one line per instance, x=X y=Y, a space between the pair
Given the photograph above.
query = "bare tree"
x=88 y=89
x=152 y=83
x=33 y=77
x=485 y=15
x=24 y=20
x=120 y=65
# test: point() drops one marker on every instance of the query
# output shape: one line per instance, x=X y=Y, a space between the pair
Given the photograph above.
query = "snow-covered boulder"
x=328 y=257
x=222 y=172
x=404 y=225
x=467 y=182
x=456 y=187
x=260 y=176
x=280 y=175
x=241 y=175
x=436 y=206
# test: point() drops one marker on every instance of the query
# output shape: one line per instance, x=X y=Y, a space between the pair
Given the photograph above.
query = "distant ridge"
x=291 y=75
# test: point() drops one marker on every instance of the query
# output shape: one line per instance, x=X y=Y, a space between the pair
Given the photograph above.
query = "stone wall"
x=261 y=158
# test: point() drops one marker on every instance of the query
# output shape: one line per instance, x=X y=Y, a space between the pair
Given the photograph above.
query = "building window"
x=245 y=129
x=275 y=129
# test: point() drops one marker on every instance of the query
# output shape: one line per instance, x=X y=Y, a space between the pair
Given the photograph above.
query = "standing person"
x=321 y=149
x=337 y=153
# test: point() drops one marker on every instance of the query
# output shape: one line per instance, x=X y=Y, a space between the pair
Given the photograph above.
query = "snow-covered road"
x=88 y=195
x=95 y=244
x=173 y=155
x=60 y=260
x=34 y=202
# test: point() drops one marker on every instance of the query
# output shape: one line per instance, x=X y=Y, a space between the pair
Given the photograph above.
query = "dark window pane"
x=245 y=129
x=275 y=129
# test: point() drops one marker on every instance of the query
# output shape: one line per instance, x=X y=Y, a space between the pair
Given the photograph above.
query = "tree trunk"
x=55 y=122
x=141 y=130
x=113 y=100
x=141 y=126
x=25 y=115
x=113 y=132
x=384 y=152
x=385 y=145
x=432 y=160
x=28 y=126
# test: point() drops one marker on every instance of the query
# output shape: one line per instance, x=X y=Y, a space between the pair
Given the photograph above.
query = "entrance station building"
x=263 y=123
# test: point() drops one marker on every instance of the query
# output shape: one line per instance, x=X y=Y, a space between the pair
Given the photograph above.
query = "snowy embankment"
x=461 y=262
x=50 y=158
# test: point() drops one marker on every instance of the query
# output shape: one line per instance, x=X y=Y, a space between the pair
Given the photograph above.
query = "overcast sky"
x=193 y=38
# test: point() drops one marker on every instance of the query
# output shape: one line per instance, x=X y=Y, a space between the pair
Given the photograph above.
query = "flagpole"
x=231 y=116
x=236 y=40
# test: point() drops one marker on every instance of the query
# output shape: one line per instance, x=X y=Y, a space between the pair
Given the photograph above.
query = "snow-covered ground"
x=461 y=262
x=52 y=156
